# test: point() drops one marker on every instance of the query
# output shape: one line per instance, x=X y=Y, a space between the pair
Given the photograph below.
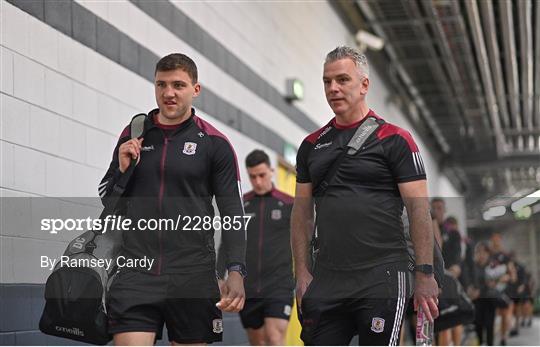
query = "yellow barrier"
x=286 y=182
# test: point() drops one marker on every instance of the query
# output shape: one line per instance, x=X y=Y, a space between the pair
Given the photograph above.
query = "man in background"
x=502 y=260
x=270 y=284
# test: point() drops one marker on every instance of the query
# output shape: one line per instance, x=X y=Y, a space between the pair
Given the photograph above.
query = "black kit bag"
x=455 y=307
x=75 y=297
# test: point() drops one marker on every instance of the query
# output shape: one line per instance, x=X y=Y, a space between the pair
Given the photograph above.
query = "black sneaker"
x=514 y=332
x=503 y=342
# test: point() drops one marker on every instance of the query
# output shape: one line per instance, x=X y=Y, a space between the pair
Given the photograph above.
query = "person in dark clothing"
x=359 y=284
x=516 y=291
x=485 y=306
x=270 y=284
x=438 y=210
x=528 y=299
x=182 y=162
x=501 y=262
x=452 y=248
x=452 y=254
x=467 y=264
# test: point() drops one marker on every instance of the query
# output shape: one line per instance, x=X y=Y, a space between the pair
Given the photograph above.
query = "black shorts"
x=186 y=303
x=369 y=303
x=257 y=309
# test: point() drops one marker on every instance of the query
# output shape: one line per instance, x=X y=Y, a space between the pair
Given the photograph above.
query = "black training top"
x=268 y=253
x=180 y=170
x=359 y=220
x=451 y=247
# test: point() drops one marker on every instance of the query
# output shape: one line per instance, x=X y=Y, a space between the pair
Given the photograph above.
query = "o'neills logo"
x=72 y=331
x=324 y=132
x=364 y=132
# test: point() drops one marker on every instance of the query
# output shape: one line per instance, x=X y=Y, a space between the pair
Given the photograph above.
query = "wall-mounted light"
x=526 y=201
x=493 y=212
x=294 y=89
x=524 y=213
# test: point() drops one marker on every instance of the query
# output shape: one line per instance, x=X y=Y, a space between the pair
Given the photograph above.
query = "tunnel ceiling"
x=467 y=74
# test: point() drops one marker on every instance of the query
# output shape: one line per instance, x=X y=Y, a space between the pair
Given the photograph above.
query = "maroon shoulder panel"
x=125 y=132
x=281 y=196
x=387 y=130
x=249 y=195
x=211 y=131
x=313 y=137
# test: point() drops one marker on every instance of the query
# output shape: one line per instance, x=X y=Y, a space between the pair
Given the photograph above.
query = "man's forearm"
x=421 y=230
x=301 y=233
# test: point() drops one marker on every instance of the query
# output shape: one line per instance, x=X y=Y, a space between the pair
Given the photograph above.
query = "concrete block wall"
x=75 y=72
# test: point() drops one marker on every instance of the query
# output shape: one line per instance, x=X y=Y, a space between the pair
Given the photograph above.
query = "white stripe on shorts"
x=400 y=306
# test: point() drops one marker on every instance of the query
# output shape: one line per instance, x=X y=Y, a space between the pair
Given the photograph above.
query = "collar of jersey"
x=355 y=124
x=177 y=127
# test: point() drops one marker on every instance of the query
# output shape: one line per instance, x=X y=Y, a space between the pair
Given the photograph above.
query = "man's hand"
x=473 y=293
x=425 y=295
x=221 y=285
x=232 y=293
x=302 y=283
x=455 y=270
x=129 y=150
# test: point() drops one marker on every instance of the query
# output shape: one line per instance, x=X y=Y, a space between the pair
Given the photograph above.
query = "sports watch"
x=238 y=268
x=424 y=268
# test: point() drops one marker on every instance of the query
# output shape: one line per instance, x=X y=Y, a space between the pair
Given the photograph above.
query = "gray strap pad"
x=361 y=135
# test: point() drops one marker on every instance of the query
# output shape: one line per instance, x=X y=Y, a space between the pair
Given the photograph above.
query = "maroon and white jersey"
x=359 y=221
x=181 y=169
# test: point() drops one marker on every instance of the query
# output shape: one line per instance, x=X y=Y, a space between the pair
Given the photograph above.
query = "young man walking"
x=182 y=162
x=270 y=284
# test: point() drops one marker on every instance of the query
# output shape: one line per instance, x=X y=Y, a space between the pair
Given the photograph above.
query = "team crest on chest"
x=189 y=148
x=377 y=324
x=276 y=214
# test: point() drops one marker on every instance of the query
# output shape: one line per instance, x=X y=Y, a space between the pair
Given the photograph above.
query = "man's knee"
x=137 y=338
x=256 y=337
x=275 y=337
x=275 y=330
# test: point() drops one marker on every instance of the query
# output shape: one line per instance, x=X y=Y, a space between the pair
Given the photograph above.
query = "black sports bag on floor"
x=75 y=297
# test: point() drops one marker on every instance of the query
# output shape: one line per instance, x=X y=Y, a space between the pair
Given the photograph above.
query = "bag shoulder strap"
x=362 y=133
x=120 y=187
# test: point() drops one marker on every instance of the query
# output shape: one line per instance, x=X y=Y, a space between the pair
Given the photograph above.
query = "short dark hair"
x=437 y=200
x=257 y=157
x=178 y=61
x=451 y=220
x=484 y=245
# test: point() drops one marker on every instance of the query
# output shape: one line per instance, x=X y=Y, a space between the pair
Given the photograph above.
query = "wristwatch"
x=424 y=268
x=238 y=268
